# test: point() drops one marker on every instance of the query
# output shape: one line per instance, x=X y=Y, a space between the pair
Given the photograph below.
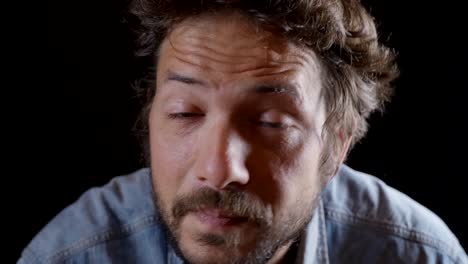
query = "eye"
x=184 y=115
x=274 y=119
x=277 y=125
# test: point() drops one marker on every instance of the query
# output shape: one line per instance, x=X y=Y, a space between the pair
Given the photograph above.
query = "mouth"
x=217 y=219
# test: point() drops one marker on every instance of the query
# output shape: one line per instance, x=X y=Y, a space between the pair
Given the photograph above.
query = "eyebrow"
x=273 y=89
x=283 y=89
x=172 y=76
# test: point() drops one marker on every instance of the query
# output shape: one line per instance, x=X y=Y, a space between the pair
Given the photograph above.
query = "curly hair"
x=358 y=69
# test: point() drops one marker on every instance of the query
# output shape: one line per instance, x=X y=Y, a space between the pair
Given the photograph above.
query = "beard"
x=271 y=234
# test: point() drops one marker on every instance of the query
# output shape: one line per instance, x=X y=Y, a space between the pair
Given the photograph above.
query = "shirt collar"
x=313 y=244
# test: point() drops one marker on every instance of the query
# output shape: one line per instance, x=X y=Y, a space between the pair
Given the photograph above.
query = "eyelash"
x=188 y=115
x=183 y=115
x=275 y=125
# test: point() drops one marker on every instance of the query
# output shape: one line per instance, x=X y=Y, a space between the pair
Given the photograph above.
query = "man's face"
x=235 y=139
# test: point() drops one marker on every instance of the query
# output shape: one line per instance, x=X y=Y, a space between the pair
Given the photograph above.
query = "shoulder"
x=363 y=210
x=120 y=209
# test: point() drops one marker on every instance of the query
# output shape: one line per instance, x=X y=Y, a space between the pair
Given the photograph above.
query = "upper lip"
x=219 y=213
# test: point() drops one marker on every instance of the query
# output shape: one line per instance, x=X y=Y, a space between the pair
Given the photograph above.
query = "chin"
x=207 y=255
x=231 y=245
x=196 y=252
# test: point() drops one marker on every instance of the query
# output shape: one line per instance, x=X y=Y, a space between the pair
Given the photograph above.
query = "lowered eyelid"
x=273 y=116
x=180 y=106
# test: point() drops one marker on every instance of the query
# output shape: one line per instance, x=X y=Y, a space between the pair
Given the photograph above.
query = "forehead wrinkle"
x=240 y=23
x=193 y=36
x=260 y=73
x=219 y=52
x=204 y=52
x=218 y=48
x=216 y=45
x=252 y=70
x=249 y=64
x=204 y=36
x=196 y=44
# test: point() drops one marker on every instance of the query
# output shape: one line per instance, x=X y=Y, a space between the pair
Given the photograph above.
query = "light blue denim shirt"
x=359 y=220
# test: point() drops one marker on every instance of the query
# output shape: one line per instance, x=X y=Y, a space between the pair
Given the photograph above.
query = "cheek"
x=299 y=195
x=170 y=161
x=299 y=178
x=280 y=173
x=307 y=183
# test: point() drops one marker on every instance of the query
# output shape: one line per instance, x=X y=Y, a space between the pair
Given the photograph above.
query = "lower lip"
x=214 y=220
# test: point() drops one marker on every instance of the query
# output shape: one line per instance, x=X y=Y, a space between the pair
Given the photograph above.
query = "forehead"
x=235 y=35
x=227 y=48
x=232 y=31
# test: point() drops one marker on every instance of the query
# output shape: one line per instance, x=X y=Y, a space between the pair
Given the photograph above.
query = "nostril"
x=202 y=179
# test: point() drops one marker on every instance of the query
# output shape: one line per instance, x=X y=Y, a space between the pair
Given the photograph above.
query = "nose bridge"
x=222 y=155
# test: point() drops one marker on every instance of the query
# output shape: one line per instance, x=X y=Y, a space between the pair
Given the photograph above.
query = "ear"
x=345 y=141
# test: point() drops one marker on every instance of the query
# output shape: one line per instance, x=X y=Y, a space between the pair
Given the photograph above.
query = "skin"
x=239 y=109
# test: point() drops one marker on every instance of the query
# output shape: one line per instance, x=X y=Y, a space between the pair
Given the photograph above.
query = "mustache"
x=237 y=203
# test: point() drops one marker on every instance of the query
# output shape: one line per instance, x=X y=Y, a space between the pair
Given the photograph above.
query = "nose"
x=221 y=160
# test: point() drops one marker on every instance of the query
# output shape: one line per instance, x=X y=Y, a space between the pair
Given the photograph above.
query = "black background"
x=79 y=110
